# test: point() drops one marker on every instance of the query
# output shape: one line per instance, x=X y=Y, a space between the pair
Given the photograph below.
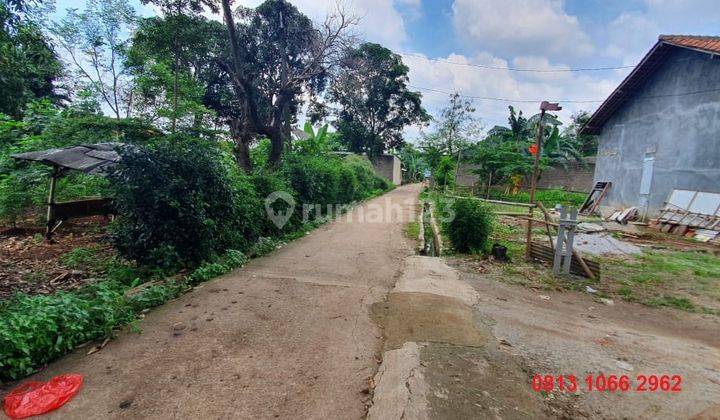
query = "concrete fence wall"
x=574 y=178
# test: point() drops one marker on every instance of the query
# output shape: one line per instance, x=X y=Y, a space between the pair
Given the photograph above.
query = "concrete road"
x=287 y=336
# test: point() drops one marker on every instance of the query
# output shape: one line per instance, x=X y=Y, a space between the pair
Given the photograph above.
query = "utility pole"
x=544 y=106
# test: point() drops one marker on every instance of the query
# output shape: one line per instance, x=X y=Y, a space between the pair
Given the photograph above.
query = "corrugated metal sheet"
x=634 y=81
x=88 y=158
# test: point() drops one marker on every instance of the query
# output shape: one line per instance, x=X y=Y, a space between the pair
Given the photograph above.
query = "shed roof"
x=87 y=158
x=647 y=66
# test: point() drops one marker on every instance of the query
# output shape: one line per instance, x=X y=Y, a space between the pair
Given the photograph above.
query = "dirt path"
x=561 y=333
x=289 y=335
x=461 y=344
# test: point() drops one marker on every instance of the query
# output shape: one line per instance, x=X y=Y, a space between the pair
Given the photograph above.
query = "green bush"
x=471 y=227
x=364 y=173
x=316 y=179
x=444 y=173
x=177 y=204
x=349 y=190
x=266 y=184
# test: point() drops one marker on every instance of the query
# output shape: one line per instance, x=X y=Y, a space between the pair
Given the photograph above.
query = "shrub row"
x=182 y=201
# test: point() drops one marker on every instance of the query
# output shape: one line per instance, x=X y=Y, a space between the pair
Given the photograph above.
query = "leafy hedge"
x=177 y=204
x=180 y=204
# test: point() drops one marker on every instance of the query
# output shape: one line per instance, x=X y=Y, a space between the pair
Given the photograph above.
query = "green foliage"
x=228 y=261
x=265 y=185
x=177 y=204
x=84 y=259
x=37 y=329
x=375 y=103
x=413 y=162
x=95 y=42
x=444 y=172
x=28 y=64
x=549 y=197
x=499 y=161
x=316 y=179
x=172 y=59
x=317 y=143
x=472 y=225
x=24 y=185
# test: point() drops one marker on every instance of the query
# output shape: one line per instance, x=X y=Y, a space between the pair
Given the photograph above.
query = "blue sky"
x=528 y=34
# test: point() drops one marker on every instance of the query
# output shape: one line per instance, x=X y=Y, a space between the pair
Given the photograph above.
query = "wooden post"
x=533 y=183
x=547 y=225
x=51 y=202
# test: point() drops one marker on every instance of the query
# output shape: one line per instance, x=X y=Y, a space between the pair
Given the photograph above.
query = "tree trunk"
x=276 y=148
x=241 y=148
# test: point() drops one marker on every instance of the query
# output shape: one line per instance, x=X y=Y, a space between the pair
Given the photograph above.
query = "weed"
x=412 y=230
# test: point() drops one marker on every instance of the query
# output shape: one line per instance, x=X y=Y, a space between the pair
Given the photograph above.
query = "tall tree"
x=28 y=64
x=179 y=84
x=278 y=55
x=458 y=124
x=95 y=41
x=178 y=21
x=373 y=99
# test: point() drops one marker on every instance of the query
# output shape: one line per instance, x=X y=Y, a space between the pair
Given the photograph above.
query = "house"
x=659 y=131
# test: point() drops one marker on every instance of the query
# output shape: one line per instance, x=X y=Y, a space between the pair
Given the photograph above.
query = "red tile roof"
x=652 y=60
x=709 y=44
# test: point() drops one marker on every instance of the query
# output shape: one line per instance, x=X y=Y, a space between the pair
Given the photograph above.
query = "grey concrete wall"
x=575 y=178
x=388 y=166
x=682 y=133
x=465 y=175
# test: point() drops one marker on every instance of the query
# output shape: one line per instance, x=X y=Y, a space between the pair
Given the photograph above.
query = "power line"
x=525 y=70
x=570 y=101
x=491 y=98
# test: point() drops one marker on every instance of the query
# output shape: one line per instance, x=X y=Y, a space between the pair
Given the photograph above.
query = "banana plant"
x=316 y=143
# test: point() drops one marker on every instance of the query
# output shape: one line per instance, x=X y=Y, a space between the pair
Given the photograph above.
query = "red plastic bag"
x=34 y=398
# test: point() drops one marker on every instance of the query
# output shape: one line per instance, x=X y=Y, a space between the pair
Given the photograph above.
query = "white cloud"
x=473 y=81
x=520 y=27
x=631 y=34
x=380 y=20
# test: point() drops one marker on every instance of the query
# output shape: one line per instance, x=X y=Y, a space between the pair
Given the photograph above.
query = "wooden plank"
x=545 y=253
x=83 y=208
x=507 y=203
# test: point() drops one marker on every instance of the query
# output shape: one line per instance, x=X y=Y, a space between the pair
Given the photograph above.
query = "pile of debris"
x=693 y=214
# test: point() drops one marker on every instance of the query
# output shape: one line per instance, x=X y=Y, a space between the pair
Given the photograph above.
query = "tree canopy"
x=374 y=103
x=29 y=66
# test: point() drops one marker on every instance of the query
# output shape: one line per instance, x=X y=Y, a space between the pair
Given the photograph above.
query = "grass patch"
x=412 y=230
x=685 y=280
x=549 y=197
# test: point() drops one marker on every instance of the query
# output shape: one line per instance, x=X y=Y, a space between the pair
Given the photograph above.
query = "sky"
x=444 y=41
